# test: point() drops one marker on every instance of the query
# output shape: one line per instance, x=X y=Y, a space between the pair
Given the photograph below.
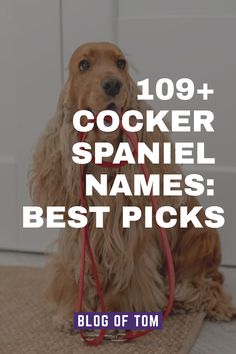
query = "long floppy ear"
x=46 y=175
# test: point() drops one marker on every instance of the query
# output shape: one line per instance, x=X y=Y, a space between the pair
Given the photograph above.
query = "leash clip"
x=113 y=337
x=119 y=338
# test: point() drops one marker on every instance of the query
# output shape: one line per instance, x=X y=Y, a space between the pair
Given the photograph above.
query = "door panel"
x=30 y=81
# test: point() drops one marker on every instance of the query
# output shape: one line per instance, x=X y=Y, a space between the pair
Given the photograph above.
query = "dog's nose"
x=111 y=86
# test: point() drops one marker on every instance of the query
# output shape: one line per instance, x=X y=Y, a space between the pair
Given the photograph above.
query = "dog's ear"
x=46 y=174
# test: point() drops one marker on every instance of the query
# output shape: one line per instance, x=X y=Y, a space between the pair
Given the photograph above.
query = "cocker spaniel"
x=130 y=261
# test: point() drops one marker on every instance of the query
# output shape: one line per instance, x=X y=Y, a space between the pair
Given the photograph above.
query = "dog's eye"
x=84 y=65
x=121 y=63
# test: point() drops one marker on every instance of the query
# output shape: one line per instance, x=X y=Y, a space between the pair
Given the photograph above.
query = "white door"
x=30 y=74
x=194 y=39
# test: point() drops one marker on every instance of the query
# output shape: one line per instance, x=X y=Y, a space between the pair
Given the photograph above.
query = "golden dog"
x=130 y=261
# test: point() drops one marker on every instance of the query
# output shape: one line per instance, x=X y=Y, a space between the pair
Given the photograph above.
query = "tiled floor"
x=217 y=338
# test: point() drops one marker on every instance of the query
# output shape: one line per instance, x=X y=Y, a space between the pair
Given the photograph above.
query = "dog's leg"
x=61 y=290
x=199 y=283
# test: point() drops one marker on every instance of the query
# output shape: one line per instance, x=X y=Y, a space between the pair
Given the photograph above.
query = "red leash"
x=133 y=139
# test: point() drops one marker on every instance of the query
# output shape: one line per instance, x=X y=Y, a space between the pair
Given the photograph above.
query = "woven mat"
x=25 y=324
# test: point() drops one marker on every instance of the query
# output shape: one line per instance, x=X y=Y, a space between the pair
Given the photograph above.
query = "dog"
x=130 y=261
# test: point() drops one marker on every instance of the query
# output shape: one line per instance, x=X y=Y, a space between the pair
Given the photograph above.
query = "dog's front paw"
x=222 y=312
x=62 y=324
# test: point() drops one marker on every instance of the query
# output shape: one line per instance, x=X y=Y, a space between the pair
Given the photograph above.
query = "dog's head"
x=99 y=79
